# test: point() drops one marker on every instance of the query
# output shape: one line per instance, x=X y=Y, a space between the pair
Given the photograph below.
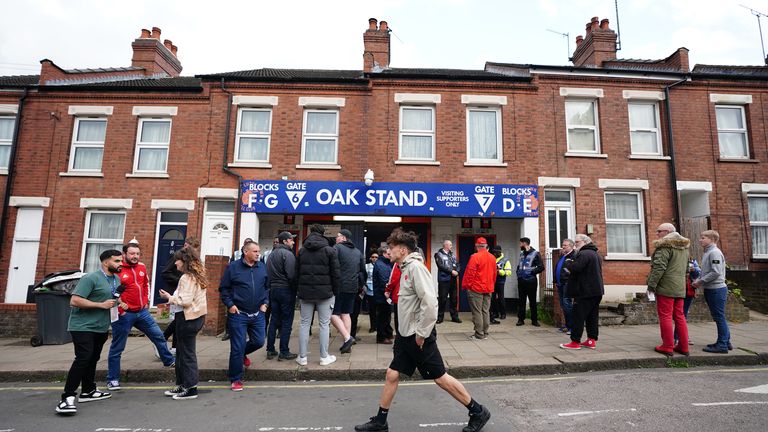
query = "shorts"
x=344 y=303
x=408 y=357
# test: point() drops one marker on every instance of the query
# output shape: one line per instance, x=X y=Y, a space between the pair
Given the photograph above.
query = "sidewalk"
x=509 y=350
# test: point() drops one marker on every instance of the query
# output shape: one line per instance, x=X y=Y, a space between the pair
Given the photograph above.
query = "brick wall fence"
x=217 y=313
x=644 y=312
x=754 y=288
x=18 y=320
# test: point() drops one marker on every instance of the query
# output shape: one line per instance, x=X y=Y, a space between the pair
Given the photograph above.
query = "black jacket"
x=446 y=262
x=351 y=267
x=317 y=269
x=382 y=269
x=281 y=267
x=171 y=276
x=586 y=273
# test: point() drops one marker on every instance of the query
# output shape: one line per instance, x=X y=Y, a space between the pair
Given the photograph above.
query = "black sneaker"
x=536 y=324
x=520 y=323
x=94 y=395
x=457 y=320
x=287 y=356
x=346 y=347
x=174 y=391
x=477 y=421
x=190 y=393
x=67 y=406
x=271 y=355
x=495 y=321
x=372 y=425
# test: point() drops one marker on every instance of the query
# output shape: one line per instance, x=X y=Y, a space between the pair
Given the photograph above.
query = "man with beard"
x=353 y=276
x=134 y=312
x=88 y=324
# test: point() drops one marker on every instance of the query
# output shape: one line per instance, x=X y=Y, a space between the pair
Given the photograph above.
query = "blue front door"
x=170 y=239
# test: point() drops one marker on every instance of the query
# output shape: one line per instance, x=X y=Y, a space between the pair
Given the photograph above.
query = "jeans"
x=143 y=321
x=88 y=347
x=240 y=325
x=585 y=310
x=716 y=299
x=283 y=304
x=527 y=289
x=447 y=294
x=186 y=349
x=566 y=305
x=324 y=308
x=671 y=309
x=480 y=304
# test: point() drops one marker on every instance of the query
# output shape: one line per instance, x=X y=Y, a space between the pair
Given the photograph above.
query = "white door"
x=217 y=235
x=26 y=243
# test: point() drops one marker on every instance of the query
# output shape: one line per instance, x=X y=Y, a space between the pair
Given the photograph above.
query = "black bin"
x=52 y=318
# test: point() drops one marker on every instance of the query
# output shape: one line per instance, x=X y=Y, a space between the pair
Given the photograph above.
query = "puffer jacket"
x=317 y=269
x=382 y=271
x=585 y=273
x=669 y=266
x=351 y=267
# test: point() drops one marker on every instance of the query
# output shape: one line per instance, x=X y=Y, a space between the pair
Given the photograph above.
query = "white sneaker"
x=67 y=406
x=173 y=351
x=157 y=353
x=302 y=361
x=325 y=361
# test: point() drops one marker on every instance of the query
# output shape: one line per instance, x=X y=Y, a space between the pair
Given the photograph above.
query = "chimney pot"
x=174 y=48
x=579 y=40
x=372 y=23
x=595 y=24
x=168 y=44
x=588 y=29
x=155 y=33
x=144 y=34
x=383 y=26
x=604 y=24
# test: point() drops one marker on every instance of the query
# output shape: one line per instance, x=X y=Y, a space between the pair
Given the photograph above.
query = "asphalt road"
x=702 y=399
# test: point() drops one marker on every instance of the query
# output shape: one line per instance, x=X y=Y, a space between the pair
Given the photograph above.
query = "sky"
x=226 y=35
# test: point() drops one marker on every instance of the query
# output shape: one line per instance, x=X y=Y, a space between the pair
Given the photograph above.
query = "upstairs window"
x=7 y=124
x=581 y=121
x=254 y=127
x=484 y=135
x=152 y=145
x=320 y=139
x=644 y=133
x=417 y=133
x=732 y=132
x=88 y=144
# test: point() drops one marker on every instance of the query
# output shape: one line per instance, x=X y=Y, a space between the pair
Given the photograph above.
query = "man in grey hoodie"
x=415 y=344
x=712 y=279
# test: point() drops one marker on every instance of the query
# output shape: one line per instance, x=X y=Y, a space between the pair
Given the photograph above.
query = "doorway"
x=26 y=245
x=464 y=250
x=171 y=233
x=217 y=228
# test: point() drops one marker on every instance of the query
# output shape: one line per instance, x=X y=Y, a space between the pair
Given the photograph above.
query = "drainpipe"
x=673 y=170
x=227 y=169
x=11 y=170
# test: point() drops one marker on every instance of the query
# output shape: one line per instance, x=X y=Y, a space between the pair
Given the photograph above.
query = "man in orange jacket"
x=479 y=280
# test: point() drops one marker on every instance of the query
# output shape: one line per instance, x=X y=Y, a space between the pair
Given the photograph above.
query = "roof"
x=461 y=74
x=144 y=83
x=19 y=80
x=325 y=75
x=738 y=72
x=661 y=65
x=103 y=70
x=630 y=67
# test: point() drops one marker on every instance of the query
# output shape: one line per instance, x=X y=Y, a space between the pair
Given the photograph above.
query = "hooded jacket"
x=136 y=281
x=669 y=266
x=480 y=274
x=382 y=270
x=351 y=267
x=317 y=269
x=585 y=273
x=281 y=267
x=417 y=305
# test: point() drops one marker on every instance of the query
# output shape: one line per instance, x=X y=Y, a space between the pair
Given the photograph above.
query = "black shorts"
x=344 y=303
x=408 y=357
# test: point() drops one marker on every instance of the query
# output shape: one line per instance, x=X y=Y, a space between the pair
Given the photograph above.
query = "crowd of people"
x=335 y=282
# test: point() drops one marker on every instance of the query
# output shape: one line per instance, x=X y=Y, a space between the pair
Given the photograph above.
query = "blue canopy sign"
x=395 y=199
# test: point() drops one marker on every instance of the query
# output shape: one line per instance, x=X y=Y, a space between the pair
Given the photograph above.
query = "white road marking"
x=577 y=413
x=426 y=425
x=730 y=403
x=131 y=430
x=761 y=389
x=301 y=428
x=707 y=371
x=7 y=430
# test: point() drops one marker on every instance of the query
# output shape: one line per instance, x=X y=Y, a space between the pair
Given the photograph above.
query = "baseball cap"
x=496 y=248
x=481 y=241
x=285 y=235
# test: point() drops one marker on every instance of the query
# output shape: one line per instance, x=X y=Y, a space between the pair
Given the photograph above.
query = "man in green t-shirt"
x=88 y=323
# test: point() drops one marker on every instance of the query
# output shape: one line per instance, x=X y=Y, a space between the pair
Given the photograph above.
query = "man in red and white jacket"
x=134 y=312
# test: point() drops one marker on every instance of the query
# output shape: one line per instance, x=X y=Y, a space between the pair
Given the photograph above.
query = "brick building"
x=612 y=147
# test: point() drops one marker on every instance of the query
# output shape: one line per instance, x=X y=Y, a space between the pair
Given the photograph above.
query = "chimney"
x=376 y=51
x=598 y=46
x=154 y=57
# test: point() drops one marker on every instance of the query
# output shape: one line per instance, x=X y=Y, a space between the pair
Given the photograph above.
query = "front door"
x=26 y=244
x=170 y=239
x=465 y=249
x=217 y=235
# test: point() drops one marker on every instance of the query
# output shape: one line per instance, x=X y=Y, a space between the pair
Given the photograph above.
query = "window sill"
x=650 y=157
x=416 y=162
x=249 y=165
x=80 y=174
x=147 y=175
x=587 y=155
x=738 y=160
x=3 y=171
x=485 y=164
x=317 y=166
x=626 y=258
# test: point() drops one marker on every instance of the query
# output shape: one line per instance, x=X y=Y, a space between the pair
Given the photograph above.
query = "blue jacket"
x=381 y=271
x=244 y=286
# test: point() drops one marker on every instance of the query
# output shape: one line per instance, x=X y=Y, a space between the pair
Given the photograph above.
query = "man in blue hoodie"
x=243 y=290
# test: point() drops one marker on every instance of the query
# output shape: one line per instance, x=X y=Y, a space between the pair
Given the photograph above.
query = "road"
x=702 y=399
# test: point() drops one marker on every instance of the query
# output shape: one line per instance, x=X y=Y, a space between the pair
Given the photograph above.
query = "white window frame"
x=7 y=142
x=240 y=134
x=150 y=145
x=656 y=131
x=754 y=224
x=420 y=133
x=640 y=221
x=86 y=144
x=499 y=154
x=87 y=240
x=742 y=131
x=595 y=128
x=305 y=136
x=558 y=206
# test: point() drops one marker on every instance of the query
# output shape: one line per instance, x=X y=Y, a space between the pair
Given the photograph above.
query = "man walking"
x=528 y=267
x=503 y=270
x=479 y=281
x=281 y=274
x=88 y=324
x=585 y=286
x=382 y=270
x=447 y=286
x=561 y=283
x=134 y=312
x=243 y=290
x=712 y=280
x=416 y=345
x=353 y=276
x=669 y=268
